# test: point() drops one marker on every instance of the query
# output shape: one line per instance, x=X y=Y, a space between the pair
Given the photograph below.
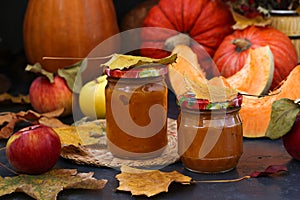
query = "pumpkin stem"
x=241 y=44
x=175 y=40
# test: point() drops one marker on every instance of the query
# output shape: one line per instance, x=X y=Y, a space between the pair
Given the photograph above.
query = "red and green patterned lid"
x=137 y=72
x=190 y=102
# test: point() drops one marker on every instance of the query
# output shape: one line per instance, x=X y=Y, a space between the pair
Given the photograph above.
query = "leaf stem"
x=222 y=181
x=75 y=58
x=8 y=169
x=4 y=166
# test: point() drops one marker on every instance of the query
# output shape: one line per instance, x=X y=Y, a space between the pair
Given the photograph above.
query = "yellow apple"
x=92 y=98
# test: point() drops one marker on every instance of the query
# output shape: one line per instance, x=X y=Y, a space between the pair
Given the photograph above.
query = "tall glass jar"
x=210 y=141
x=136 y=112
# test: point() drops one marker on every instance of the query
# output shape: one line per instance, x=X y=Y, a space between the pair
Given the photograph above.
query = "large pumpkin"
x=232 y=53
x=207 y=22
x=64 y=28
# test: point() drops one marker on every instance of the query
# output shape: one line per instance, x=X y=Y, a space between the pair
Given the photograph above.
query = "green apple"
x=92 y=98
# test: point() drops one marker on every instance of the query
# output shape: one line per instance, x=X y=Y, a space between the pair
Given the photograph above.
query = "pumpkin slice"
x=256 y=76
x=255 y=115
x=186 y=65
x=215 y=90
x=256 y=112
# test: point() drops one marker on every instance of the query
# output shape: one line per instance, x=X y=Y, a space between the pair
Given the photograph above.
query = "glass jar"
x=136 y=112
x=210 y=141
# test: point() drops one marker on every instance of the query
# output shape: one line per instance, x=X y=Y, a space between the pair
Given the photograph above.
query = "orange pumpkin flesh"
x=63 y=28
x=256 y=76
x=255 y=112
x=232 y=53
x=186 y=65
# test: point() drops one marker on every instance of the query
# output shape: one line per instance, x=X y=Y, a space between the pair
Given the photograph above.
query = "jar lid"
x=190 y=102
x=137 y=72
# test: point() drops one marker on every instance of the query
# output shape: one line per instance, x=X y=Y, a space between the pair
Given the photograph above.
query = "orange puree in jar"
x=136 y=116
x=210 y=141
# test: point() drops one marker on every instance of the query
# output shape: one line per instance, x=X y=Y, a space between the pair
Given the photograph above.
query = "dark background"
x=12 y=58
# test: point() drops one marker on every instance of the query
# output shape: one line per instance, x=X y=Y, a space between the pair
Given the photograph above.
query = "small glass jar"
x=210 y=141
x=136 y=112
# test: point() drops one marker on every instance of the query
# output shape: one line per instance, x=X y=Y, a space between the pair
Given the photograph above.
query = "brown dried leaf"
x=55 y=113
x=8 y=120
x=243 y=22
x=48 y=185
x=22 y=99
x=148 y=182
x=52 y=122
x=271 y=170
x=7 y=124
x=73 y=150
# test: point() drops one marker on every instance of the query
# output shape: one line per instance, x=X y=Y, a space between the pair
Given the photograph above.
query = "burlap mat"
x=100 y=156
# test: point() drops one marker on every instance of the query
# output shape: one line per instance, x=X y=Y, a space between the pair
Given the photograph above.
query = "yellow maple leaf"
x=148 y=182
x=85 y=134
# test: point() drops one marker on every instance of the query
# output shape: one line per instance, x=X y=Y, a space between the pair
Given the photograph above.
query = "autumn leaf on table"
x=148 y=182
x=47 y=186
x=8 y=120
x=271 y=170
x=86 y=134
x=153 y=182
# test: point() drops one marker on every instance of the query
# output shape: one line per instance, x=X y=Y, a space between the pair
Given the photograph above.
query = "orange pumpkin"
x=64 y=28
x=189 y=22
x=232 y=53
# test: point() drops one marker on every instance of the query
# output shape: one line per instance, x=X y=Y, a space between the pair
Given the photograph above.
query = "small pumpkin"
x=232 y=53
x=189 y=22
x=256 y=112
x=64 y=28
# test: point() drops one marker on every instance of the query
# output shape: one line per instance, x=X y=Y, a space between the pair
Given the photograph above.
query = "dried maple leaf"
x=48 y=185
x=86 y=134
x=8 y=120
x=68 y=136
x=152 y=182
x=22 y=99
x=243 y=22
x=148 y=182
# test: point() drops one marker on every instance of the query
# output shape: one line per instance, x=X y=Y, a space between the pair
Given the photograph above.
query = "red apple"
x=291 y=140
x=33 y=150
x=46 y=96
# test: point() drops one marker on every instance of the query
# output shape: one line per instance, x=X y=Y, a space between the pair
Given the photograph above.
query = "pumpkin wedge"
x=186 y=65
x=256 y=76
x=256 y=112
